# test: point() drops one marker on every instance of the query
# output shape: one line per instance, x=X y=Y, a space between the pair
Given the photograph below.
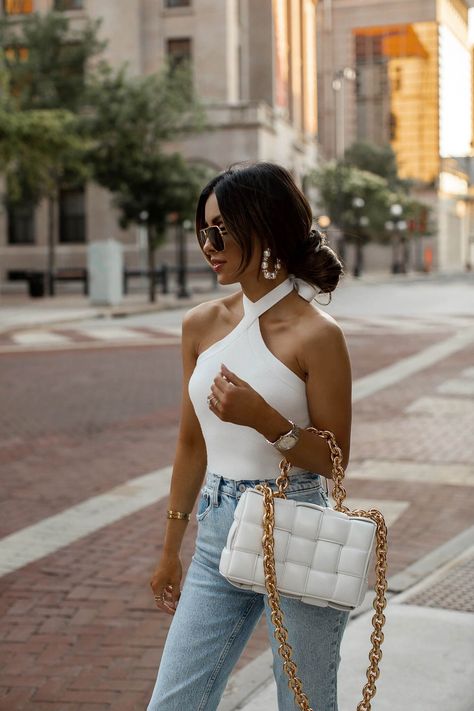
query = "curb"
x=115 y=312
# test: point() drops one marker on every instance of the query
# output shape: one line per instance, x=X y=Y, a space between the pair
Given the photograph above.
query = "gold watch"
x=288 y=440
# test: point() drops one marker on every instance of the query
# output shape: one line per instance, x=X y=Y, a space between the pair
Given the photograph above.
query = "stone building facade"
x=254 y=66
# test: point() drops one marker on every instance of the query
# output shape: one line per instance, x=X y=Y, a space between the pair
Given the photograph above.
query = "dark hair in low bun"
x=317 y=262
x=263 y=199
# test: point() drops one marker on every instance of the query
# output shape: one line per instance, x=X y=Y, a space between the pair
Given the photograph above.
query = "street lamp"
x=338 y=85
x=397 y=227
x=181 y=228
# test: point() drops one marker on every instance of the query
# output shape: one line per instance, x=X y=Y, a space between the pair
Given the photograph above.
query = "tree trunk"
x=151 y=264
x=359 y=257
x=395 y=258
x=405 y=254
x=52 y=201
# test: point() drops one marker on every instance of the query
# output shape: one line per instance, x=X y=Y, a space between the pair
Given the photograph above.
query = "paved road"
x=89 y=429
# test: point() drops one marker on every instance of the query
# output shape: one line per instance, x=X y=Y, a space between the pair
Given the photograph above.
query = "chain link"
x=380 y=602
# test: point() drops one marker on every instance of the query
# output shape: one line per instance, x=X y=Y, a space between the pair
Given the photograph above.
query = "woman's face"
x=229 y=258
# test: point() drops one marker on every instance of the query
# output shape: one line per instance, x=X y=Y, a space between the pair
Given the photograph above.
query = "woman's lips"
x=217 y=265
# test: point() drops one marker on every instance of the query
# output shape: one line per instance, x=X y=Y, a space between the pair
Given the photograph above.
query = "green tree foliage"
x=379 y=160
x=131 y=121
x=64 y=122
x=47 y=61
x=339 y=185
x=357 y=194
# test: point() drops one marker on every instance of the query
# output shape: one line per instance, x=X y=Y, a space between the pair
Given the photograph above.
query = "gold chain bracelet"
x=178 y=515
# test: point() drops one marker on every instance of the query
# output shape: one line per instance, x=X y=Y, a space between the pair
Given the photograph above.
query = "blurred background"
x=114 y=113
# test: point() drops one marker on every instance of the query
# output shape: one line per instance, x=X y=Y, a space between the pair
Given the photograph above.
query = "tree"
x=41 y=151
x=44 y=80
x=379 y=160
x=47 y=62
x=131 y=122
x=356 y=201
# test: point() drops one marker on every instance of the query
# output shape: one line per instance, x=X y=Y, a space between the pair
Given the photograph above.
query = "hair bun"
x=318 y=263
x=317 y=239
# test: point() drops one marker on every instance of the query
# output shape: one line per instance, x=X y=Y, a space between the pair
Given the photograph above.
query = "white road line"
x=50 y=534
x=108 y=333
x=85 y=345
x=39 y=338
x=441 y=406
x=419 y=472
x=457 y=386
x=390 y=508
x=392 y=374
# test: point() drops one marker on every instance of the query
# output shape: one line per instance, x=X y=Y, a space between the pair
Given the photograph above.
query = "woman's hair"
x=262 y=199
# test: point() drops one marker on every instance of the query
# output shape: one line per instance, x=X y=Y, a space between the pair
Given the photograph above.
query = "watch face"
x=287 y=442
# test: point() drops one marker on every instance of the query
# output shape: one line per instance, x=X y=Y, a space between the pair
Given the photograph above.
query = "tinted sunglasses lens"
x=214 y=236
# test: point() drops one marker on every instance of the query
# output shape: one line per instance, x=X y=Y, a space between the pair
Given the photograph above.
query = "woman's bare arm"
x=190 y=457
x=329 y=395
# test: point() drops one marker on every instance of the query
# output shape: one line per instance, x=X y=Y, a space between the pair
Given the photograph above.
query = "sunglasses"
x=215 y=235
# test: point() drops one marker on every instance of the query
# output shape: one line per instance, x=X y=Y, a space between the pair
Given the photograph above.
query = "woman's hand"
x=165 y=584
x=234 y=400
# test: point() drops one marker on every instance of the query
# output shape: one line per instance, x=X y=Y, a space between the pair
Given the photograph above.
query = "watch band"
x=283 y=435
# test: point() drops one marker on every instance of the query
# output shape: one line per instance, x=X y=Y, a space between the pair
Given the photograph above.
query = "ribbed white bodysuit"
x=237 y=451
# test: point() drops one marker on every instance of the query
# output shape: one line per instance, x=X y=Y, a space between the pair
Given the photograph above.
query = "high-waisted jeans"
x=214 y=620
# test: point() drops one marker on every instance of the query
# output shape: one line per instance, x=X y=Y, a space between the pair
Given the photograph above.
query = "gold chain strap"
x=378 y=620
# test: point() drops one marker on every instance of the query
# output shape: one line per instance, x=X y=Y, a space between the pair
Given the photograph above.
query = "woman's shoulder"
x=205 y=313
x=318 y=328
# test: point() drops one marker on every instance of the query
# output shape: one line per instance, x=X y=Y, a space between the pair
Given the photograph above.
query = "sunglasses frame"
x=217 y=241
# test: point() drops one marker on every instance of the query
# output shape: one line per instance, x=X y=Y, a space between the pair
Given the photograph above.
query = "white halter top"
x=236 y=451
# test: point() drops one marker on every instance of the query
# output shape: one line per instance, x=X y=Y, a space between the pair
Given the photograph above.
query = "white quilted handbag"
x=317 y=554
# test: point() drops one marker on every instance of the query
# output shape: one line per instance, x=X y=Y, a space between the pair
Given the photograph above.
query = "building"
x=401 y=73
x=254 y=66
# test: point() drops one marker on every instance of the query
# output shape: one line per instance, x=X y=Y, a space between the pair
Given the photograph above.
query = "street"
x=88 y=433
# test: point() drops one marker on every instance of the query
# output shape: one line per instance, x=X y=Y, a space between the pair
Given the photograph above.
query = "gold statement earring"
x=266 y=273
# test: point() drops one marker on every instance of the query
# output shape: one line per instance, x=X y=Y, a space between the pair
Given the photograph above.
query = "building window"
x=68 y=5
x=21 y=226
x=177 y=3
x=178 y=50
x=17 y=7
x=72 y=217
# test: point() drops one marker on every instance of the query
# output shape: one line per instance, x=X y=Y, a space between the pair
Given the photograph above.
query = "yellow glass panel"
x=12 y=53
x=398 y=93
x=18 y=7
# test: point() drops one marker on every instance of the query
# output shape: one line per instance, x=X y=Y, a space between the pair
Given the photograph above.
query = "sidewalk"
x=428 y=651
x=18 y=310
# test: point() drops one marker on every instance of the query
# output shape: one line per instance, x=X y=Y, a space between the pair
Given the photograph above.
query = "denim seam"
x=220 y=662
x=336 y=638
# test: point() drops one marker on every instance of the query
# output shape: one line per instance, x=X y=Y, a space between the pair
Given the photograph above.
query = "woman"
x=259 y=366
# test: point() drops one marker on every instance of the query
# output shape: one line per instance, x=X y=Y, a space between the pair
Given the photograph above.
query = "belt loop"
x=215 y=490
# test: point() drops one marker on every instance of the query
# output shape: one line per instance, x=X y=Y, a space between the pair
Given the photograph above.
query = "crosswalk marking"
x=109 y=333
x=441 y=406
x=54 y=532
x=457 y=386
x=34 y=338
x=420 y=472
x=48 y=338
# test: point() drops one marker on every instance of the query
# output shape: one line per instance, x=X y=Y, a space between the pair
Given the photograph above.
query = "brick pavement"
x=63 y=411
x=78 y=630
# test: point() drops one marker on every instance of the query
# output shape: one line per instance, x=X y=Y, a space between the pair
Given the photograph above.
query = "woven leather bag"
x=319 y=555
x=322 y=555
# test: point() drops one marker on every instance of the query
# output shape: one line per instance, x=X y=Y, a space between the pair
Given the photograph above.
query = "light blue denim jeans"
x=214 y=620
